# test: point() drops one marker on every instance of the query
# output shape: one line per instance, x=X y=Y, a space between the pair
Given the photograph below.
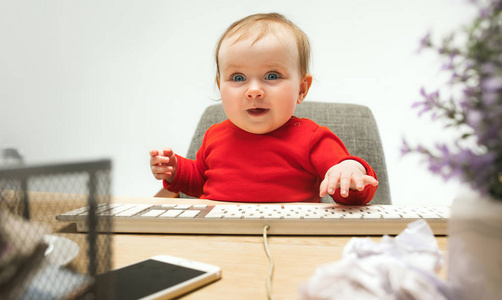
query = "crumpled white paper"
x=397 y=268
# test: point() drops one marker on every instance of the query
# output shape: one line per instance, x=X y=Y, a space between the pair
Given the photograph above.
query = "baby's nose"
x=254 y=91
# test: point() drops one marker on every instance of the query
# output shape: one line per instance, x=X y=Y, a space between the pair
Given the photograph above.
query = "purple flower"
x=474 y=103
x=489 y=98
x=488 y=68
x=425 y=42
x=430 y=101
x=484 y=12
x=469 y=92
x=491 y=84
x=449 y=65
x=405 y=148
x=474 y=118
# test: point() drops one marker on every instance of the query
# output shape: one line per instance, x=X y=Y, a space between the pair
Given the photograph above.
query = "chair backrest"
x=353 y=124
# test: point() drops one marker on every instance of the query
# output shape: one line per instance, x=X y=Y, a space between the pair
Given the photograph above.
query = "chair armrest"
x=163 y=193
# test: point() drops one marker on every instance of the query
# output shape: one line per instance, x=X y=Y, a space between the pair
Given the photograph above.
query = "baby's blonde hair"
x=263 y=25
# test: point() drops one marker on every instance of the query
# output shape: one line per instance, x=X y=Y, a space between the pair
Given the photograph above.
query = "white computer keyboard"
x=294 y=219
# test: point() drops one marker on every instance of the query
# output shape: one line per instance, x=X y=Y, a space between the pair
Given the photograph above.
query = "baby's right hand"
x=163 y=164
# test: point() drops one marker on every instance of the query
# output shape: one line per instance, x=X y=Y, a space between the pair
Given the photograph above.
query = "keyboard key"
x=352 y=216
x=183 y=206
x=251 y=207
x=136 y=209
x=372 y=216
x=431 y=217
x=272 y=216
x=254 y=216
x=101 y=209
x=173 y=213
x=332 y=216
x=116 y=210
x=153 y=213
x=76 y=211
x=292 y=216
x=226 y=207
x=311 y=216
x=233 y=216
x=409 y=215
x=391 y=216
x=199 y=206
x=214 y=216
x=189 y=214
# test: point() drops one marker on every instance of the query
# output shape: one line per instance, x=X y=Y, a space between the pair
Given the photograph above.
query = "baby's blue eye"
x=272 y=76
x=238 y=78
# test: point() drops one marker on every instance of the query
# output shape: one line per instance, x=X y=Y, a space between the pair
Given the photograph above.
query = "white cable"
x=271 y=260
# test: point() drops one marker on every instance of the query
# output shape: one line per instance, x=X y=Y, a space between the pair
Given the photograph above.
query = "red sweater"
x=285 y=165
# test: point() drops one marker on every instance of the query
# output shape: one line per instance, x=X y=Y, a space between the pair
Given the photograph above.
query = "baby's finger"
x=159 y=160
x=333 y=182
x=154 y=152
x=161 y=169
x=162 y=176
x=167 y=151
x=369 y=180
x=323 y=189
x=345 y=184
x=358 y=182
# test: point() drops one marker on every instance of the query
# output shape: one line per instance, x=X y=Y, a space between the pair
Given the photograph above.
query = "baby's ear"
x=305 y=84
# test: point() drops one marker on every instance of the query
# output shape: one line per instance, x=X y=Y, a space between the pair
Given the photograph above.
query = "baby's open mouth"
x=257 y=111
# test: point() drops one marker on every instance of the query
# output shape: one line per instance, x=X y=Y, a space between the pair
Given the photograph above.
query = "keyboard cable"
x=271 y=263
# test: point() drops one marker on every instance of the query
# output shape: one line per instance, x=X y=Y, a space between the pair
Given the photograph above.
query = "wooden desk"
x=242 y=259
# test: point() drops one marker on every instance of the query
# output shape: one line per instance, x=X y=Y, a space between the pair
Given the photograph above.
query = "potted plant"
x=470 y=103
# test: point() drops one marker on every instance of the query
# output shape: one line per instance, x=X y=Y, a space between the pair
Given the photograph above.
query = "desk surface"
x=242 y=259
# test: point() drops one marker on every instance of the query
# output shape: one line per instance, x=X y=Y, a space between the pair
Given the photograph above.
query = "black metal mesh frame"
x=39 y=193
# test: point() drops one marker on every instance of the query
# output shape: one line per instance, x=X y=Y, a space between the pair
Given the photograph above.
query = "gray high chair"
x=354 y=124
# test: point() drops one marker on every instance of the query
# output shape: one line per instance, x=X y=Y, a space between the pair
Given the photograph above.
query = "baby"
x=263 y=153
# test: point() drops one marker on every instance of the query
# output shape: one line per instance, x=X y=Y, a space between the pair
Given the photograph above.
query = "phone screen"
x=144 y=278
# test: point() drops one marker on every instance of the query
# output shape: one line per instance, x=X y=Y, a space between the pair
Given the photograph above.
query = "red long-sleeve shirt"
x=285 y=165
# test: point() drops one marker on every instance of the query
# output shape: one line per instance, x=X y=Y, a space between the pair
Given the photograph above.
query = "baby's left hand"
x=348 y=174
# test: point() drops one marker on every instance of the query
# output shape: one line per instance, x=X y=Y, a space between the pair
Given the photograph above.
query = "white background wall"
x=82 y=80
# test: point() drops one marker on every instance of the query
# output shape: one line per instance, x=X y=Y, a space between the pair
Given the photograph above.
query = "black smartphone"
x=159 y=277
